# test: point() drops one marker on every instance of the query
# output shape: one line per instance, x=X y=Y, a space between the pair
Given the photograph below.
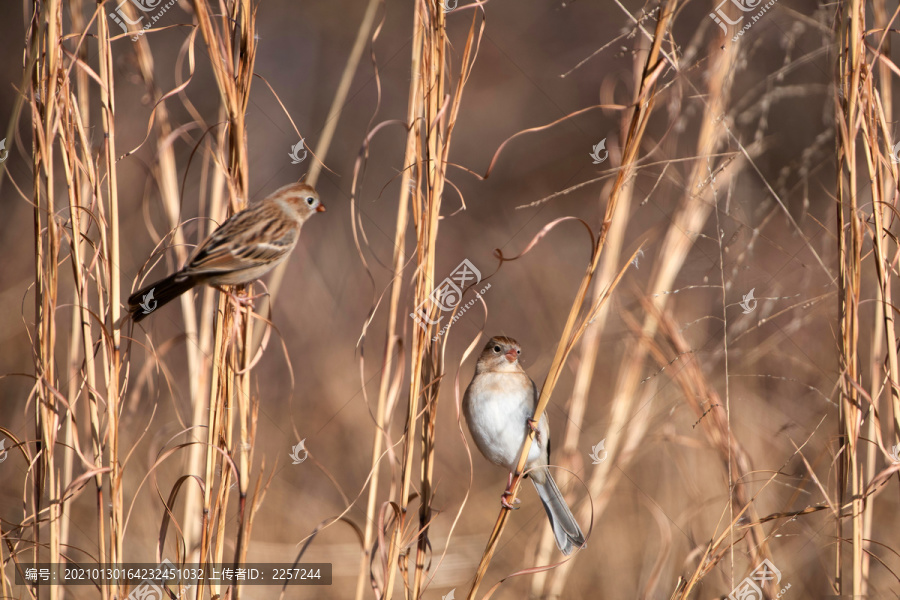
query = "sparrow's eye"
x=518 y=351
x=310 y=200
x=497 y=349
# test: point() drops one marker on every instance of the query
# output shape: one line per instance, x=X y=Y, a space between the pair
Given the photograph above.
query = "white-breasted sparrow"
x=499 y=405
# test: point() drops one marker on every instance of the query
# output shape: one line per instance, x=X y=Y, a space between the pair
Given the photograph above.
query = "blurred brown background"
x=671 y=493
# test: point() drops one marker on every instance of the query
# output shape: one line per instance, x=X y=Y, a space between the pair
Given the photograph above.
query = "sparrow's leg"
x=508 y=493
x=241 y=301
x=533 y=426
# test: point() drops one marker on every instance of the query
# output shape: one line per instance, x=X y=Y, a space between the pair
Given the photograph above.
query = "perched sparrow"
x=499 y=405
x=244 y=248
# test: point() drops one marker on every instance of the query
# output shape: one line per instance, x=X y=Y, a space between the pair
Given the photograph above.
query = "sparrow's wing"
x=245 y=241
x=534 y=402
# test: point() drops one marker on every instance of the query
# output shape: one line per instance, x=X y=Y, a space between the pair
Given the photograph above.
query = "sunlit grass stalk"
x=433 y=126
x=111 y=341
x=81 y=376
x=590 y=343
x=572 y=332
x=706 y=405
x=881 y=369
x=230 y=396
x=690 y=216
x=214 y=429
x=884 y=312
x=575 y=328
x=36 y=56
x=209 y=333
x=47 y=247
x=851 y=26
x=392 y=338
x=874 y=115
x=78 y=104
x=429 y=366
x=165 y=172
x=426 y=210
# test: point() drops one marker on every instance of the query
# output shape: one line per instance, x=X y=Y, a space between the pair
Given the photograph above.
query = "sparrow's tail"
x=565 y=528
x=147 y=299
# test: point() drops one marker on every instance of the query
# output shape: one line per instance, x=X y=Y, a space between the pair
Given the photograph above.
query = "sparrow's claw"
x=505 y=504
x=532 y=425
x=241 y=301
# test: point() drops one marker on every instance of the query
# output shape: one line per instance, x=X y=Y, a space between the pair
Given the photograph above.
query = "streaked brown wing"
x=238 y=244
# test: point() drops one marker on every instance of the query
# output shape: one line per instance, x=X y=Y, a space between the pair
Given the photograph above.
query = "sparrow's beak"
x=320 y=208
x=512 y=355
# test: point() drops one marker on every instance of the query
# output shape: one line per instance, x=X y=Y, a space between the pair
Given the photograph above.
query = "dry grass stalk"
x=433 y=120
x=590 y=344
x=628 y=429
x=112 y=340
x=643 y=104
x=713 y=419
x=233 y=69
x=324 y=143
x=79 y=184
x=852 y=26
x=886 y=173
x=46 y=406
x=197 y=346
x=863 y=112
x=671 y=257
x=59 y=116
x=571 y=333
x=391 y=378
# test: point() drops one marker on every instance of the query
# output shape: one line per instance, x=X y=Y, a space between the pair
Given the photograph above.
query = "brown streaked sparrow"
x=244 y=248
x=499 y=405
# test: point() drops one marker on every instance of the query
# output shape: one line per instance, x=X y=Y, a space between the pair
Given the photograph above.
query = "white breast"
x=497 y=407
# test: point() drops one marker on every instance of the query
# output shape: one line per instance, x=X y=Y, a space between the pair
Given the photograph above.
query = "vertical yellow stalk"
x=81 y=327
x=46 y=281
x=231 y=373
x=852 y=24
x=391 y=338
x=107 y=117
x=426 y=208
